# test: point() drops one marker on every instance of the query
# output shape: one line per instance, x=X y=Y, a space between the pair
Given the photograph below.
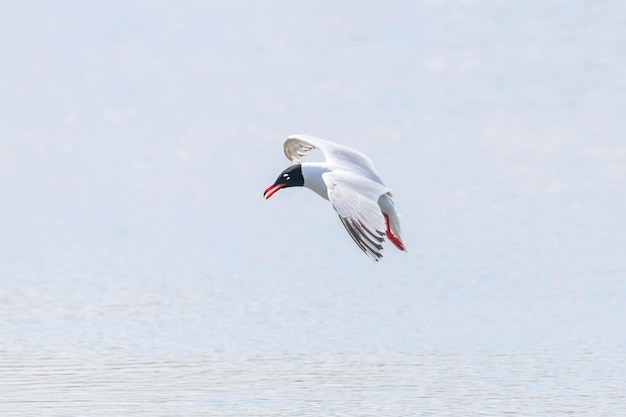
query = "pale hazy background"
x=141 y=271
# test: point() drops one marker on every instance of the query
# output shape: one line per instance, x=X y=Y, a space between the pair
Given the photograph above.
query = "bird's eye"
x=286 y=176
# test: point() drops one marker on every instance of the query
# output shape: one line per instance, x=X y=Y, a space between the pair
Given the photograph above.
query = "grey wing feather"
x=355 y=199
x=372 y=248
x=296 y=146
x=296 y=149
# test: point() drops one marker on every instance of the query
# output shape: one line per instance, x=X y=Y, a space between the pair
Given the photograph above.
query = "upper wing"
x=355 y=200
x=342 y=156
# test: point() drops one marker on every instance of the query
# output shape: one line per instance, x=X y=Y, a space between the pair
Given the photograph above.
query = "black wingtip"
x=359 y=233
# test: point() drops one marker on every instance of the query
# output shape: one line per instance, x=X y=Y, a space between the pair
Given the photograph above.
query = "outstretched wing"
x=296 y=146
x=355 y=199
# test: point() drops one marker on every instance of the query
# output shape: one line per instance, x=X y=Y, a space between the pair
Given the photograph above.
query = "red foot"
x=393 y=238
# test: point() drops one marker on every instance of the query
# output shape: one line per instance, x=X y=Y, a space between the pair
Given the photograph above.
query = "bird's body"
x=348 y=179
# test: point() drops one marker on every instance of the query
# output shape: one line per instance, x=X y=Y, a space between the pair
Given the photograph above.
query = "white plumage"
x=348 y=179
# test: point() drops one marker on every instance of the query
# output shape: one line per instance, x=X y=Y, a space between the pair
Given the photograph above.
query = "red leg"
x=393 y=238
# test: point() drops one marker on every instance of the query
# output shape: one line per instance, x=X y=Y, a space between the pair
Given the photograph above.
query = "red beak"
x=272 y=189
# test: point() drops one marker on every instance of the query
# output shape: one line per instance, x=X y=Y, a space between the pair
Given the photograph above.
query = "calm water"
x=142 y=273
x=364 y=384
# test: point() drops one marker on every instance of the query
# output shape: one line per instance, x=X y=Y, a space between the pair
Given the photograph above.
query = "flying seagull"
x=348 y=179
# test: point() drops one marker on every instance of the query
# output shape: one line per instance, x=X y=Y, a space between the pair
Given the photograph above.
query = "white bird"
x=350 y=182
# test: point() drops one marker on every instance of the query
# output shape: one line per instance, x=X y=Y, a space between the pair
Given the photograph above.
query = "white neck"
x=312 y=173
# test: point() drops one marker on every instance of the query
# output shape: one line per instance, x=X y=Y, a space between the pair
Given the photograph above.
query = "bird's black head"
x=291 y=177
